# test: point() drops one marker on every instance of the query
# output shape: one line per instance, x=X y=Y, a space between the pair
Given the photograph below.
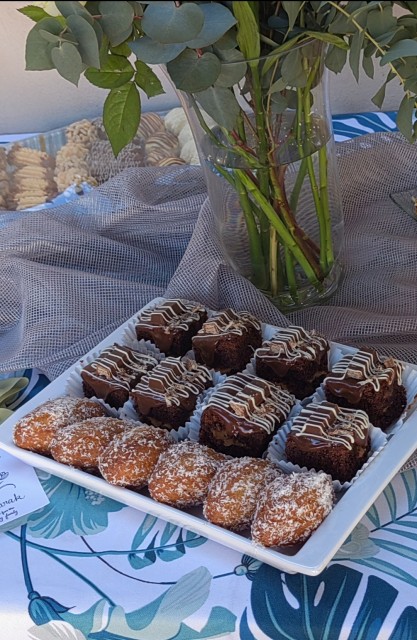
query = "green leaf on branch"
x=38 y=50
x=153 y=52
x=147 y=80
x=217 y=21
x=330 y=38
x=121 y=115
x=221 y=104
x=34 y=13
x=51 y=37
x=401 y=49
x=114 y=73
x=192 y=72
x=356 y=45
x=116 y=21
x=68 y=62
x=247 y=30
x=233 y=67
x=73 y=8
x=85 y=35
x=368 y=66
x=379 y=97
x=292 y=10
x=380 y=22
x=292 y=69
x=168 y=23
x=405 y=117
x=336 y=59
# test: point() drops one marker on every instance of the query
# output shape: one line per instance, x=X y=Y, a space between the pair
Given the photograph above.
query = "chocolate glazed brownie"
x=243 y=414
x=295 y=358
x=171 y=325
x=114 y=373
x=363 y=381
x=167 y=395
x=226 y=342
x=328 y=438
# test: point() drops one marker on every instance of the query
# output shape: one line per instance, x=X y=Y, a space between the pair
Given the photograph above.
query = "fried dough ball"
x=291 y=508
x=235 y=489
x=129 y=459
x=81 y=444
x=183 y=473
x=36 y=430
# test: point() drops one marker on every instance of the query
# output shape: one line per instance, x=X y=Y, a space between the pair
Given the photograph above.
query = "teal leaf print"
x=244 y=632
x=175 y=552
x=409 y=479
x=390 y=569
x=376 y=603
x=144 y=530
x=193 y=539
x=55 y=630
x=43 y=609
x=71 y=508
x=142 y=560
x=406 y=626
x=357 y=545
x=221 y=622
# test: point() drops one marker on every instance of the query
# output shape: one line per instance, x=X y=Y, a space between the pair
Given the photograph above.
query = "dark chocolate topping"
x=290 y=344
x=118 y=366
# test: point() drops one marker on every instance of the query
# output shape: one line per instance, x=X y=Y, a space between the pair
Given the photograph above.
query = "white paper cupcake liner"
x=276 y=453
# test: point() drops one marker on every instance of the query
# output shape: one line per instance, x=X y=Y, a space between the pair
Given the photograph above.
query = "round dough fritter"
x=81 y=444
x=291 y=508
x=235 y=489
x=36 y=430
x=130 y=459
x=183 y=473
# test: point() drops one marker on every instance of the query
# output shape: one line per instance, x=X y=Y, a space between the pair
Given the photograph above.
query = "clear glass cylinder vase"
x=265 y=142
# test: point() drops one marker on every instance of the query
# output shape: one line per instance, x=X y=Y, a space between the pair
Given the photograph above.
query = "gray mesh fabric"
x=70 y=275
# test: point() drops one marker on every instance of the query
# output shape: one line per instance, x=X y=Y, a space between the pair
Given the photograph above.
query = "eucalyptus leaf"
x=401 y=49
x=51 y=37
x=368 y=66
x=336 y=59
x=114 y=73
x=68 y=62
x=292 y=9
x=168 y=23
x=38 y=50
x=73 y=8
x=379 y=97
x=192 y=72
x=405 y=115
x=247 y=30
x=380 y=22
x=226 y=42
x=85 y=35
x=355 y=53
x=233 y=68
x=147 y=80
x=121 y=115
x=293 y=70
x=279 y=102
x=217 y=21
x=221 y=104
x=153 y=52
x=330 y=38
x=116 y=21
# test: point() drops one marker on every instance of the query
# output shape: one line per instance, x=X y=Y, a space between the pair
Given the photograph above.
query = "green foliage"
x=206 y=45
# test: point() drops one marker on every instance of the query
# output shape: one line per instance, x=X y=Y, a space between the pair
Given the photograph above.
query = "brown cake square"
x=243 y=414
x=294 y=358
x=329 y=438
x=226 y=342
x=171 y=325
x=167 y=395
x=114 y=373
x=363 y=381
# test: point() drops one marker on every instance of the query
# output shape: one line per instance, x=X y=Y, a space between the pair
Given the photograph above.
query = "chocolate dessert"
x=294 y=358
x=363 y=381
x=114 y=373
x=171 y=325
x=243 y=414
x=227 y=341
x=167 y=395
x=329 y=438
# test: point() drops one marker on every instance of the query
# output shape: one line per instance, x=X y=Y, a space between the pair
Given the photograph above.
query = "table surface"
x=87 y=567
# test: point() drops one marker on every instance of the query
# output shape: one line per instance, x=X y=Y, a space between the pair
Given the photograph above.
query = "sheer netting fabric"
x=72 y=274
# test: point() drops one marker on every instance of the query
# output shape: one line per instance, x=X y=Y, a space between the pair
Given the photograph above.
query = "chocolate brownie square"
x=363 y=381
x=226 y=342
x=171 y=325
x=167 y=395
x=329 y=438
x=243 y=414
x=114 y=373
x=294 y=358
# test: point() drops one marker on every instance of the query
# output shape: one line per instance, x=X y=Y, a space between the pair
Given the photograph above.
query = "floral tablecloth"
x=86 y=567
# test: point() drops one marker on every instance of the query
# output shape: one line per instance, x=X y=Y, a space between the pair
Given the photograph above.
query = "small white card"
x=21 y=492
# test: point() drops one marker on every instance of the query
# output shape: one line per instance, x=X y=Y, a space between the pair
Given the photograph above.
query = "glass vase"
x=266 y=147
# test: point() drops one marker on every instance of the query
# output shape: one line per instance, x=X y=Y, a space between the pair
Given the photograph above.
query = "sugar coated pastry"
x=115 y=371
x=81 y=444
x=242 y=415
x=295 y=358
x=20 y=156
x=329 y=438
x=291 y=507
x=36 y=430
x=364 y=381
x=82 y=133
x=235 y=490
x=227 y=340
x=130 y=458
x=167 y=395
x=183 y=473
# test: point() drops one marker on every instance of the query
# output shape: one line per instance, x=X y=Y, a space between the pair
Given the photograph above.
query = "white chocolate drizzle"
x=365 y=367
x=291 y=343
x=172 y=313
x=228 y=321
x=120 y=365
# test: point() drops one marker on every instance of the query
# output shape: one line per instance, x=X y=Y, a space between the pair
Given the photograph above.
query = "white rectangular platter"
x=309 y=559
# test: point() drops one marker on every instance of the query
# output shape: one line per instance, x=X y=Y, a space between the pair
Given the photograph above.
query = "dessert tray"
x=309 y=558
